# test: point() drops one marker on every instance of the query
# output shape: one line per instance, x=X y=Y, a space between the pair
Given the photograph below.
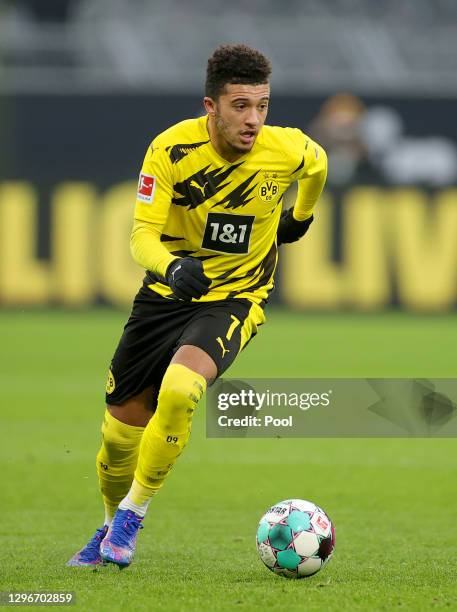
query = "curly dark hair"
x=235 y=64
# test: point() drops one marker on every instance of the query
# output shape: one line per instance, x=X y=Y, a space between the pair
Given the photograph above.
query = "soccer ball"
x=295 y=538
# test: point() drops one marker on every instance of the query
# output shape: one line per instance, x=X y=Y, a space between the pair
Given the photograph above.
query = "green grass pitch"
x=393 y=502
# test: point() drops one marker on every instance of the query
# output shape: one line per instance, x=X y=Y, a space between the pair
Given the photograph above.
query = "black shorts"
x=158 y=326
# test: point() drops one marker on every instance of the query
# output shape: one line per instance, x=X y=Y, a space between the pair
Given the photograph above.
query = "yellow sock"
x=116 y=461
x=166 y=434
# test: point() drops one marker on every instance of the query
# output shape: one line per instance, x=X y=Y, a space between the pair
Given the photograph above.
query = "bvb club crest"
x=268 y=190
x=110 y=383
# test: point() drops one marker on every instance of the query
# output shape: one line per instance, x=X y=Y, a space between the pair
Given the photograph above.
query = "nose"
x=252 y=118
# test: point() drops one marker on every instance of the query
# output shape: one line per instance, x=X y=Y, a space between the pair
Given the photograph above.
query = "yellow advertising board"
x=396 y=246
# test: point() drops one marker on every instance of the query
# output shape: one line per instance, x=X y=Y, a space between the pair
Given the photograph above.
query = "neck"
x=221 y=147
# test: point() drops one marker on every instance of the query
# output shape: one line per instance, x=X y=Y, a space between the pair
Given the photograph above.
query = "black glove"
x=186 y=278
x=289 y=229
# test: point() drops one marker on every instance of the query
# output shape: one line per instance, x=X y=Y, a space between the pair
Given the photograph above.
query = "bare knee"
x=137 y=410
x=197 y=360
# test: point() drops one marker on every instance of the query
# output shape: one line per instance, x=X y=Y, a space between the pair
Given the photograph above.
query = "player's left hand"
x=291 y=230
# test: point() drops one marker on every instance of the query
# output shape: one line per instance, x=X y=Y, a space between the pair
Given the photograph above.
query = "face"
x=236 y=118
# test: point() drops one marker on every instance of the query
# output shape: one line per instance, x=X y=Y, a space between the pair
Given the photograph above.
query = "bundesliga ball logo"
x=295 y=538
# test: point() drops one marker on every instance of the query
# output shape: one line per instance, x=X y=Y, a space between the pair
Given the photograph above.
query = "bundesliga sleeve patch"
x=146 y=188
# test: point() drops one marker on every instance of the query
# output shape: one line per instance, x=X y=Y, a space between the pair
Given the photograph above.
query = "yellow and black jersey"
x=192 y=202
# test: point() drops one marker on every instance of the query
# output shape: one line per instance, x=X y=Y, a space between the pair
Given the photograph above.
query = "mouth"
x=248 y=136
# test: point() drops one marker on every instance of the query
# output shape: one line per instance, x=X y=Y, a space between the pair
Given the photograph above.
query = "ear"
x=210 y=105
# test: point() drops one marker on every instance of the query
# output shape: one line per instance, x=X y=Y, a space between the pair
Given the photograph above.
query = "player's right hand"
x=186 y=278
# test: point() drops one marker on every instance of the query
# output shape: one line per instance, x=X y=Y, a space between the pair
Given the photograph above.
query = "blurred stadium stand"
x=316 y=46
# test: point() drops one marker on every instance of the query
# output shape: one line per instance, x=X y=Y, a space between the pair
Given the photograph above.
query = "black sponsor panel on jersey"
x=227 y=233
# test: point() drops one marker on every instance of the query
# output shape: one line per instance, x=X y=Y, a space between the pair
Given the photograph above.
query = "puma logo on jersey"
x=221 y=344
x=197 y=186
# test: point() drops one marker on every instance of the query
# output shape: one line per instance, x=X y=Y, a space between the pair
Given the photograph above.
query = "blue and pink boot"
x=119 y=543
x=90 y=554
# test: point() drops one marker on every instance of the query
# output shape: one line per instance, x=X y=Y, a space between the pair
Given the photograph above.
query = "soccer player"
x=208 y=223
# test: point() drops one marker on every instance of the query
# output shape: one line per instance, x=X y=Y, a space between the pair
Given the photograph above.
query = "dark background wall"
x=100 y=140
